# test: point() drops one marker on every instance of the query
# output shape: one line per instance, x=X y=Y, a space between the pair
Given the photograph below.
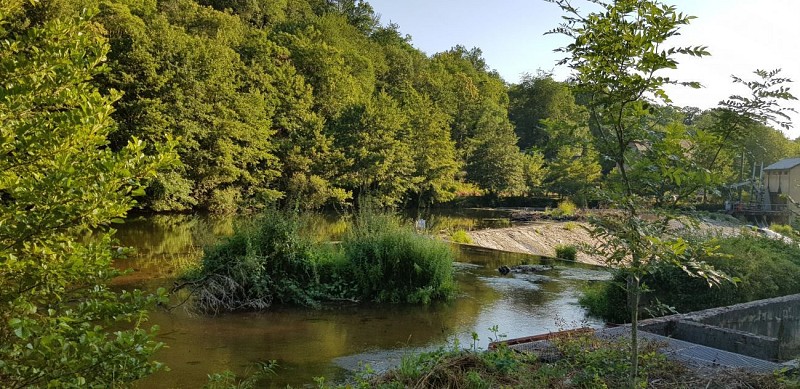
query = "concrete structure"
x=764 y=329
x=782 y=184
x=759 y=336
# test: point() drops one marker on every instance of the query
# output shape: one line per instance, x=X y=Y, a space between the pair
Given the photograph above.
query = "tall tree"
x=376 y=157
x=536 y=98
x=433 y=152
x=59 y=181
x=494 y=161
x=617 y=56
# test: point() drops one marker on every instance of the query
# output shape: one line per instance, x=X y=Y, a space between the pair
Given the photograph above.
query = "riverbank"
x=542 y=237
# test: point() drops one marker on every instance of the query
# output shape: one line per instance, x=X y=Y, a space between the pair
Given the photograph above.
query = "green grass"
x=783 y=229
x=461 y=236
x=583 y=361
x=269 y=260
x=566 y=208
x=568 y=252
x=390 y=262
x=764 y=267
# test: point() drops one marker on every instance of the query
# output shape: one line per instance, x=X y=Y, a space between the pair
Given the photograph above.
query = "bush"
x=390 y=262
x=570 y=226
x=566 y=208
x=783 y=229
x=765 y=268
x=265 y=260
x=603 y=299
x=461 y=236
x=270 y=261
x=568 y=252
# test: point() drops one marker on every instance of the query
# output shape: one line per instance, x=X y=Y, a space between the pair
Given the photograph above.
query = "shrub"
x=601 y=299
x=265 y=260
x=764 y=267
x=269 y=261
x=570 y=226
x=783 y=229
x=566 y=208
x=461 y=236
x=390 y=262
x=568 y=252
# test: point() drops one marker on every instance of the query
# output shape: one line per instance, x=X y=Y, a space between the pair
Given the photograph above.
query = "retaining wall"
x=765 y=329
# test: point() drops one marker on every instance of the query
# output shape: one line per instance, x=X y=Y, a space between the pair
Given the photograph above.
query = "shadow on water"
x=333 y=341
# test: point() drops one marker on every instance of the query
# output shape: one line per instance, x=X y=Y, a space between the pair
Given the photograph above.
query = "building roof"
x=784 y=164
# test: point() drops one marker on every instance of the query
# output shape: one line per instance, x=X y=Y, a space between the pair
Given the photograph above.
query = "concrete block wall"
x=765 y=329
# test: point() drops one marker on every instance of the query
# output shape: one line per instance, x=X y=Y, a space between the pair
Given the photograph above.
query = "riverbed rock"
x=524 y=269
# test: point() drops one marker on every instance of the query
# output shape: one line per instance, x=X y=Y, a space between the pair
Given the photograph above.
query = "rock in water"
x=524 y=269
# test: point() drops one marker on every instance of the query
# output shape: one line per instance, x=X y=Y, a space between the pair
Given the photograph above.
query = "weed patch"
x=270 y=261
x=461 y=236
x=583 y=361
x=568 y=252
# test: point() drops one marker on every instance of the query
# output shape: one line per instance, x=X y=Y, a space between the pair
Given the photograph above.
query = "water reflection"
x=309 y=343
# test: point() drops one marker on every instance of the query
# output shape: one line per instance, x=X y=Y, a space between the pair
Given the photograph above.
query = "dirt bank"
x=541 y=238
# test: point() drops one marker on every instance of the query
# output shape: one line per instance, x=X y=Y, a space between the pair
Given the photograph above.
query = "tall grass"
x=265 y=261
x=270 y=261
x=461 y=236
x=390 y=262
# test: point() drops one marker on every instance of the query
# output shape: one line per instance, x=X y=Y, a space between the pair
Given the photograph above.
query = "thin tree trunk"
x=634 y=293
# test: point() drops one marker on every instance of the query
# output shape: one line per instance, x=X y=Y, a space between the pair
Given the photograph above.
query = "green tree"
x=741 y=122
x=573 y=162
x=574 y=172
x=534 y=171
x=203 y=76
x=536 y=98
x=494 y=161
x=617 y=55
x=59 y=181
x=376 y=158
x=433 y=152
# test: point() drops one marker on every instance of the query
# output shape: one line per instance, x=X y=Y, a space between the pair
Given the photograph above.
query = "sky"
x=742 y=36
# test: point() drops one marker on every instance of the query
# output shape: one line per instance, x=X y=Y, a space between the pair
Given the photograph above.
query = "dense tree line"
x=314 y=102
x=307 y=102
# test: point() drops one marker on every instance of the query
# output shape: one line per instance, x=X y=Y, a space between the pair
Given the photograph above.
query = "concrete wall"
x=765 y=329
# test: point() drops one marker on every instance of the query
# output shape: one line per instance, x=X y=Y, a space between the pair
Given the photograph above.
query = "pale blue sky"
x=742 y=35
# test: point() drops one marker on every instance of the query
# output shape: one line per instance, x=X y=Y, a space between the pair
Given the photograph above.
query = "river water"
x=334 y=341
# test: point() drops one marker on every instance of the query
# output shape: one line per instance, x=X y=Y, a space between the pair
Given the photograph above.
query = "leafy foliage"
x=568 y=252
x=740 y=122
x=60 y=181
x=577 y=361
x=617 y=57
x=265 y=261
x=270 y=260
x=763 y=268
x=392 y=263
x=303 y=102
x=264 y=95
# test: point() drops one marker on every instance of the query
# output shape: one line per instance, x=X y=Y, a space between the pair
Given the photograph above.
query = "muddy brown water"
x=337 y=340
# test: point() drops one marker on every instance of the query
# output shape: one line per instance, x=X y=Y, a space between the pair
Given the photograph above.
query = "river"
x=334 y=341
